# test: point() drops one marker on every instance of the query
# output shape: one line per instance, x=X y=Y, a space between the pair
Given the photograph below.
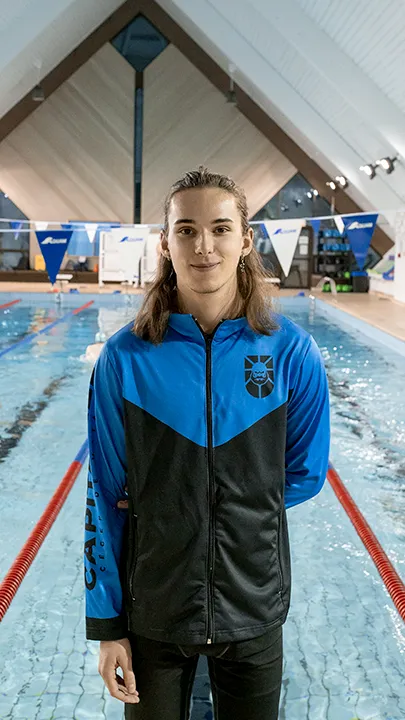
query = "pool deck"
x=380 y=311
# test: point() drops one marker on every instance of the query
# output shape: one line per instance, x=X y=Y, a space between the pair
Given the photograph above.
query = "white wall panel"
x=72 y=159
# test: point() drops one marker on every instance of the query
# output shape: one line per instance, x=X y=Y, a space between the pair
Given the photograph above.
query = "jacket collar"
x=188 y=327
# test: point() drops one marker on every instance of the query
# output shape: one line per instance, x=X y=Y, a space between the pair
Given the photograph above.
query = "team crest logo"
x=259 y=375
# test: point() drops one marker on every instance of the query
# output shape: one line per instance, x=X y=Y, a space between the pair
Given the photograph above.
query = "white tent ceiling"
x=329 y=72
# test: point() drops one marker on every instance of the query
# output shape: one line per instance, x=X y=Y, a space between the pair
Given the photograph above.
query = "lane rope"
x=12 y=581
x=389 y=575
x=29 y=338
x=9 y=304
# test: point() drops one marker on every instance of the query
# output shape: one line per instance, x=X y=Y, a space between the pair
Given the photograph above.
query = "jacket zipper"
x=211 y=483
x=211 y=492
x=280 y=570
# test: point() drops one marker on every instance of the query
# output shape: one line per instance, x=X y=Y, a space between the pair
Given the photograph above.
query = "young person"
x=213 y=412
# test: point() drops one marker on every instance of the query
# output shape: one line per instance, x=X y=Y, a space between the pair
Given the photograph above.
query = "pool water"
x=344 y=643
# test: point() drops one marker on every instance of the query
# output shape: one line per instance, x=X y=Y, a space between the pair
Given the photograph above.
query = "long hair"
x=253 y=299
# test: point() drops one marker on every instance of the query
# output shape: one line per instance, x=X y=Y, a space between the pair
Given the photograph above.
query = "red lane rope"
x=389 y=575
x=83 y=307
x=9 y=304
x=12 y=581
x=29 y=338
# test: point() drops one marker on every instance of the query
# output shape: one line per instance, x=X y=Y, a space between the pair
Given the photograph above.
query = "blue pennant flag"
x=359 y=231
x=316 y=224
x=16 y=225
x=53 y=244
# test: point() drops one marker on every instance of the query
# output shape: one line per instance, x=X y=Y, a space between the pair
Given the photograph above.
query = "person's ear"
x=164 y=246
x=248 y=242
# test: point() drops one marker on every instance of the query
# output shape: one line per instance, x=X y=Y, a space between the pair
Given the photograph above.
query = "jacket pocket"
x=279 y=554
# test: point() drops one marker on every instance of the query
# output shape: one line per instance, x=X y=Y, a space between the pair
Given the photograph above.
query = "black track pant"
x=245 y=678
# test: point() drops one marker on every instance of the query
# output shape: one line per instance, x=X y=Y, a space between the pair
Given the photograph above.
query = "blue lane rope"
x=29 y=338
x=83 y=452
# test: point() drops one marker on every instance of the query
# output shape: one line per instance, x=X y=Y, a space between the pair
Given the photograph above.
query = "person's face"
x=205 y=239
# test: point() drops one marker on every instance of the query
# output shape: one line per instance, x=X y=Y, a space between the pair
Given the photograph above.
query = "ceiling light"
x=342 y=181
x=315 y=193
x=231 y=94
x=310 y=195
x=283 y=207
x=38 y=94
x=298 y=201
x=332 y=185
x=387 y=164
x=369 y=170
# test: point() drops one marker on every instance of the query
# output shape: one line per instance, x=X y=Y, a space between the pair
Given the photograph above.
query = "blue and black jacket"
x=214 y=436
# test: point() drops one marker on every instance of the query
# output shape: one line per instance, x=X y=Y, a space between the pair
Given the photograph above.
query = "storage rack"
x=334 y=259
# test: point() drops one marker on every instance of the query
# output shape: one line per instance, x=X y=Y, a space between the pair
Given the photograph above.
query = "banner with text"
x=284 y=236
x=359 y=230
x=121 y=250
x=53 y=244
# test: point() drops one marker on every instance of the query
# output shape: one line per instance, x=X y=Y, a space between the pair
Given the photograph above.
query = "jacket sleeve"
x=104 y=523
x=308 y=428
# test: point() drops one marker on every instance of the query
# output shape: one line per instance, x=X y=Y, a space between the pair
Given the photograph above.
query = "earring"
x=242 y=264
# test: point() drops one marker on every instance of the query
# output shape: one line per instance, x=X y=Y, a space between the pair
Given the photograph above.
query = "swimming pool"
x=344 y=642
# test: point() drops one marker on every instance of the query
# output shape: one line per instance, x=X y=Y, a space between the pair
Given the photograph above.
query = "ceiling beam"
x=312 y=172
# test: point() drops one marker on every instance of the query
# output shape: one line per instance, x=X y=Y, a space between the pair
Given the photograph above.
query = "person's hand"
x=123 y=504
x=116 y=654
